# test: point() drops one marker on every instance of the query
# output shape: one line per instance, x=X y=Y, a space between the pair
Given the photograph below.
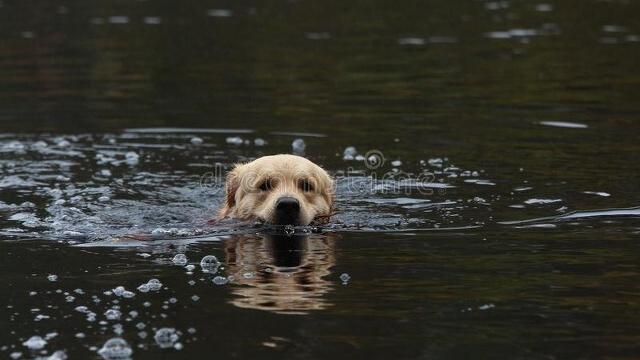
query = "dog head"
x=279 y=189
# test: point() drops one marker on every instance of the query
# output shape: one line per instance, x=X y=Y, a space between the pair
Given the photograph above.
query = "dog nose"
x=287 y=211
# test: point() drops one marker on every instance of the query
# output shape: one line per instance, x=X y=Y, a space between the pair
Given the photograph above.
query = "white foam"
x=35 y=343
x=564 y=124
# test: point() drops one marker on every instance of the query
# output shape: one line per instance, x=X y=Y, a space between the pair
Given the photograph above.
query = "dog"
x=279 y=190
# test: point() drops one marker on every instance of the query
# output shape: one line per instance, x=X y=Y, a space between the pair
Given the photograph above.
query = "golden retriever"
x=280 y=190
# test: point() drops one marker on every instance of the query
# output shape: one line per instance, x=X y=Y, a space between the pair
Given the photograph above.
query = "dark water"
x=504 y=221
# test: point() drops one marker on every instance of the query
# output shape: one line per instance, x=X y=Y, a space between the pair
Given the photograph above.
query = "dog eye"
x=305 y=185
x=266 y=185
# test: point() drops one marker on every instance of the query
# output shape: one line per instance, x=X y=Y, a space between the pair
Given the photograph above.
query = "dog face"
x=279 y=189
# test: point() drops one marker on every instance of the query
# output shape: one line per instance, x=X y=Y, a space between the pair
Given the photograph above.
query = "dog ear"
x=231 y=187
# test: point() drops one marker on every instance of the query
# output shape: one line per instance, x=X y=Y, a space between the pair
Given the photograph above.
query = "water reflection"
x=279 y=273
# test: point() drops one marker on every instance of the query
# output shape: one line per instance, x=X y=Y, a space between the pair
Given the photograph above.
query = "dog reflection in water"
x=279 y=273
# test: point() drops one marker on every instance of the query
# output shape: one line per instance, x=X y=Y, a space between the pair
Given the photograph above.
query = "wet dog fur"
x=279 y=189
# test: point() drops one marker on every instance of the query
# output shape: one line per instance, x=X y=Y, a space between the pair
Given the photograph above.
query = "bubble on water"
x=191 y=282
x=632 y=38
x=113 y=314
x=613 y=28
x=118 y=290
x=436 y=162
x=289 y=230
x=40 y=317
x=80 y=335
x=178 y=346
x=115 y=349
x=117 y=329
x=180 y=259
x=166 y=337
x=15 y=355
x=513 y=33
x=219 y=13
x=70 y=298
x=210 y=264
x=119 y=19
x=63 y=143
x=544 y=7
x=486 y=307
x=195 y=298
x=173 y=300
x=152 y=20
x=480 y=200
x=196 y=140
x=132 y=158
x=91 y=316
x=35 y=343
x=344 y=277
x=234 y=140
x=248 y=275
x=349 y=153
x=52 y=277
x=128 y=294
x=191 y=330
x=298 y=146
x=104 y=198
x=105 y=172
x=396 y=163
x=82 y=309
x=58 y=355
x=38 y=145
x=144 y=288
x=259 y=142
x=414 y=41
x=154 y=285
x=220 y=280
x=146 y=304
x=496 y=5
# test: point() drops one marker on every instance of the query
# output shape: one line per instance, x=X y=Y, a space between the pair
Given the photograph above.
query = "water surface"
x=499 y=216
